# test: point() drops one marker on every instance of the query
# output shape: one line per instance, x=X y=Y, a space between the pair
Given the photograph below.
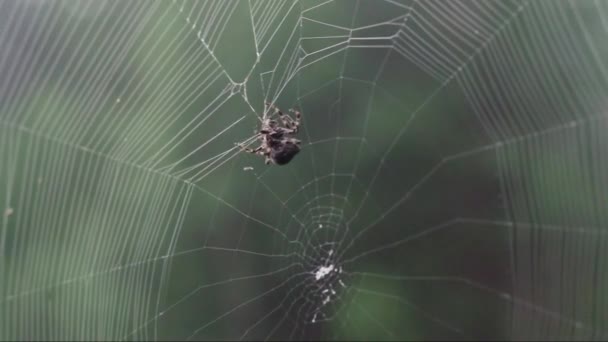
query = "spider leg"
x=250 y=150
x=284 y=118
x=289 y=122
x=276 y=109
x=289 y=131
x=267 y=155
x=296 y=122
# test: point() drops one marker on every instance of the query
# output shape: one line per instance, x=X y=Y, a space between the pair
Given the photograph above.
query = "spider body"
x=283 y=154
x=278 y=144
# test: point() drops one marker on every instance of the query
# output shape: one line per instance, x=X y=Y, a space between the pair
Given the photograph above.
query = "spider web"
x=451 y=183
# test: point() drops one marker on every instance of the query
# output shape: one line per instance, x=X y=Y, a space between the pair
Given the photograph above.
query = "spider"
x=278 y=146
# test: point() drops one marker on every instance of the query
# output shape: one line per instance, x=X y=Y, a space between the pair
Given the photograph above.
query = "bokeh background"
x=451 y=183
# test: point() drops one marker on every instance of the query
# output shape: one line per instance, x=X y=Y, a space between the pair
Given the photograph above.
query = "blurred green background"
x=451 y=179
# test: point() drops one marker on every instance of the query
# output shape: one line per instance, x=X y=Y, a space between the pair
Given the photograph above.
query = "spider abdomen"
x=283 y=153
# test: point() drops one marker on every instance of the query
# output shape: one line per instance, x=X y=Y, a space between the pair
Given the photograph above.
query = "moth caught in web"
x=278 y=143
